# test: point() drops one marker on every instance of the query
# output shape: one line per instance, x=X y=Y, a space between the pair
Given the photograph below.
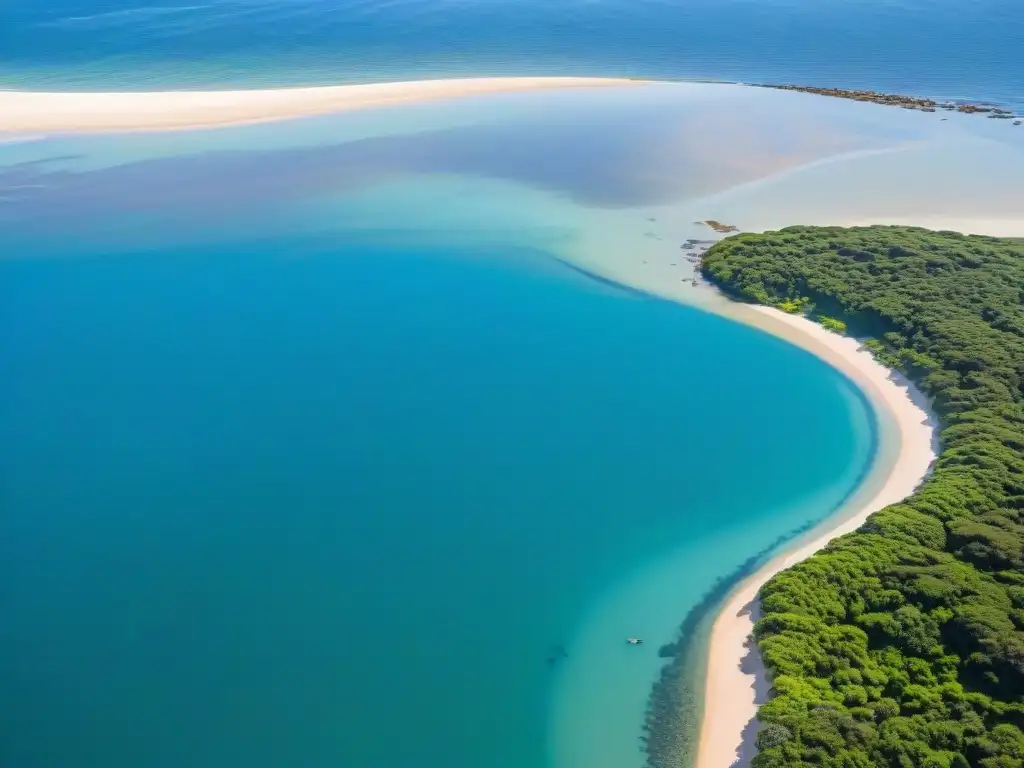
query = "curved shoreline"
x=735 y=681
x=40 y=112
x=727 y=670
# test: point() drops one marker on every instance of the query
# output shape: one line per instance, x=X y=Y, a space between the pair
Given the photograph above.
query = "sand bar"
x=736 y=683
x=38 y=112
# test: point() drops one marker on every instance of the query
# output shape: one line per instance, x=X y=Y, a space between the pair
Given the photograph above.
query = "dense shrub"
x=773 y=735
x=901 y=644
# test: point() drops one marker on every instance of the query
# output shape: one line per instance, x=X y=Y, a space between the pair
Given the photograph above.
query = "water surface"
x=314 y=448
x=941 y=48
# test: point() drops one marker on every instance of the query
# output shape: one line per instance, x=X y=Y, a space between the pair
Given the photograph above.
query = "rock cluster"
x=719 y=226
x=897 y=100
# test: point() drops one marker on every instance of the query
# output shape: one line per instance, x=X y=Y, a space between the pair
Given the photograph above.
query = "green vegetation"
x=901 y=644
x=831 y=324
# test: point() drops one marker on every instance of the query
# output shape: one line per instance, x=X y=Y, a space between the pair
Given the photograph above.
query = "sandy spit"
x=736 y=682
x=37 y=112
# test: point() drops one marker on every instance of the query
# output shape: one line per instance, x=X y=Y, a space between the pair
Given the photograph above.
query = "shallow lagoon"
x=314 y=446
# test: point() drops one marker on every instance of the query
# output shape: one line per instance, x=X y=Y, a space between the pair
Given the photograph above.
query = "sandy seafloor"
x=612 y=181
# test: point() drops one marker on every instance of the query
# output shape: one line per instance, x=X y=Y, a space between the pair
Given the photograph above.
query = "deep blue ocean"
x=941 y=48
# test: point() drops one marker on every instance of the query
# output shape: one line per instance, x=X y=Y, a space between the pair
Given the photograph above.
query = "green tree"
x=901 y=644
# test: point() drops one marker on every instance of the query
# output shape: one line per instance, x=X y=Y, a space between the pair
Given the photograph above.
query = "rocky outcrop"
x=898 y=100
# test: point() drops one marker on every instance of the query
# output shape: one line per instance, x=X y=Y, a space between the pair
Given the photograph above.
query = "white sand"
x=736 y=683
x=36 y=112
x=1004 y=227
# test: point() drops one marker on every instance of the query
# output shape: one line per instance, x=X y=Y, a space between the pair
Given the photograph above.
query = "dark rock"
x=891 y=99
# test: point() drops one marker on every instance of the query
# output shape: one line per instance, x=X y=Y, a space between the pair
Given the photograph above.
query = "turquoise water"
x=336 y=510
x=313 y=451
x=941 y=48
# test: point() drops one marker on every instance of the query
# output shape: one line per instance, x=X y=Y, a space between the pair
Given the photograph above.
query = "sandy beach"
x=37 y=112
x=736 y=682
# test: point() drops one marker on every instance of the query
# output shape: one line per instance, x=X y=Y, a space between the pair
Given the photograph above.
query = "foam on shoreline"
x=38 y=112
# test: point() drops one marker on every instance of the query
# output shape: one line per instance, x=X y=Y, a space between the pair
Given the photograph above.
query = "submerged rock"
x=719 y=226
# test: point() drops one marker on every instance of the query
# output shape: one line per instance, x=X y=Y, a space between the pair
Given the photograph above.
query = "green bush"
x=831 y=324
x=773 y=735
x=901 y=644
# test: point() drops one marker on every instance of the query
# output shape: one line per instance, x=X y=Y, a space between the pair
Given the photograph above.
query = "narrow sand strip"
x=32 y=112
x=736 y=682
x=1001 y=227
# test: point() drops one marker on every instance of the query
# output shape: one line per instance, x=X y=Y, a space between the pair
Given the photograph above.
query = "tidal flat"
x=317 y=448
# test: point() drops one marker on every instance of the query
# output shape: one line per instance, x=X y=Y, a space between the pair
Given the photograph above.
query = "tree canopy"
x=902 y=644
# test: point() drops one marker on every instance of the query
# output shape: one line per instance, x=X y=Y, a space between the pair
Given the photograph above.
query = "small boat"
x=634 y=641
